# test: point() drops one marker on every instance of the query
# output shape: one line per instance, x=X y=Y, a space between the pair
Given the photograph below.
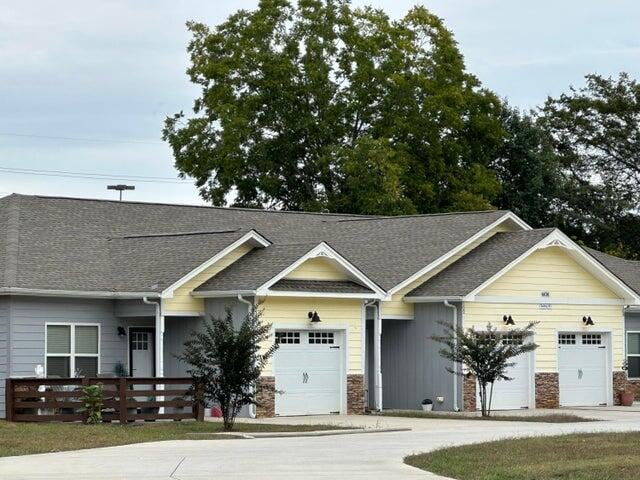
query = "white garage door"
x=308 y=370
x=512 y=394
x=582 y=368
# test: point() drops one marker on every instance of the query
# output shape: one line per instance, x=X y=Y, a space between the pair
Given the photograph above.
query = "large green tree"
x=321 y=106
x=595 y=133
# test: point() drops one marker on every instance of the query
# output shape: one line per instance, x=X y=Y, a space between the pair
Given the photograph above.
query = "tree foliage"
x=485 y=354
x=226 y=362
x=300 y=104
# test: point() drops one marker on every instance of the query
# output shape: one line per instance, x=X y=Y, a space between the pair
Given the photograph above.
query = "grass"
x=596 y=456
x=550 y=418
x=28 y=438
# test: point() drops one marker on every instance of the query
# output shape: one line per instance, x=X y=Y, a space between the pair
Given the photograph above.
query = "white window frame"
x=627 y=354
x=72 y=347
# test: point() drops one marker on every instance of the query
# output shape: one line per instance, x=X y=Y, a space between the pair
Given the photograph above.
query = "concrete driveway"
x=366 y=455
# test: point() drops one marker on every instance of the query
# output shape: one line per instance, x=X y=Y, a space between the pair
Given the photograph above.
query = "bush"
x=92 y=402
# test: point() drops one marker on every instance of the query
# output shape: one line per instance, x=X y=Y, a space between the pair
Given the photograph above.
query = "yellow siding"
x=318 y=268
x=558 y=318
x=182 y=301
x=397 y=307
x=551 y=270
x=293 y=311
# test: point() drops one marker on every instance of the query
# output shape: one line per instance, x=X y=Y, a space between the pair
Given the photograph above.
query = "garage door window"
x=633 y=354
x=567 y=339
x=288 y=337
x=321 y=337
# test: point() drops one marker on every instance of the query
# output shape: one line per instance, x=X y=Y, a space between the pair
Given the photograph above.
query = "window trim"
x=72 y=346
x=627 y=354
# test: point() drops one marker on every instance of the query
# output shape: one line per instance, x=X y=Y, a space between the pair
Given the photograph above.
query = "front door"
x=142 y=352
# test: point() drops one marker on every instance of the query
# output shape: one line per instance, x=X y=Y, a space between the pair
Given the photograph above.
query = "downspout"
x=252 y=408
x=159 y=344
x=455 y=364
x=377 y=354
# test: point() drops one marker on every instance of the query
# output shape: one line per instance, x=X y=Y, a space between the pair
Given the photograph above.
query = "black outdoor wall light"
x=314 y=317
x=121 y=332
x=587 y=321
x=508 y=320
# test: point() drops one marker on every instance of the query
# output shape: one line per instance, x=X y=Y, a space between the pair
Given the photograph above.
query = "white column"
x=377 y=356
x=160 y=353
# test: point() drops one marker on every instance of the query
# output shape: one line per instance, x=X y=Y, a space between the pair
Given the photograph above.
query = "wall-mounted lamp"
x=314 y=317
x=508 y=320
x=121 y=332
x=587 y=321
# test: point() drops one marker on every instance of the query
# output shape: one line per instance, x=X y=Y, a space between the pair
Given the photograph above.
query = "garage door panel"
x=512 y=394
x=582 y=369
x=308 y=374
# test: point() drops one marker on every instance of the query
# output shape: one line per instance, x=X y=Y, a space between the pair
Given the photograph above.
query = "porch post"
x=160 y=353
x=377 y=355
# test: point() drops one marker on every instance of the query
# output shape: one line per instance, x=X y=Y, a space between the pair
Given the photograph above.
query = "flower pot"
x=427 y=407
x=626 y=399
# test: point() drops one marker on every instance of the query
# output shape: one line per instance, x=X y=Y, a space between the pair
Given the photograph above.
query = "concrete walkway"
x=357 y=456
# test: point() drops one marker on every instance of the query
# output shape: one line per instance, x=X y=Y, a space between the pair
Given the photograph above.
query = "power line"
x=91 y=176
x=79 y=139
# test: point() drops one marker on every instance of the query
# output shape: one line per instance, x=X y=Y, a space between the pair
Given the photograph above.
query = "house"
x=86 y=285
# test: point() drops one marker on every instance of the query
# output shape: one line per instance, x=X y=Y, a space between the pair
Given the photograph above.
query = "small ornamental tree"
x=486 y=354
x=225 y=362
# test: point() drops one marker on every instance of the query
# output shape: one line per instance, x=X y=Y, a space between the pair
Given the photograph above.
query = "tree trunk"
x=490 y=400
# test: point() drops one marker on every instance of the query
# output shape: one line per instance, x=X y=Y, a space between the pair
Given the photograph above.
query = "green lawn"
x=602 y=456
x=551 y=418
x=26 y=438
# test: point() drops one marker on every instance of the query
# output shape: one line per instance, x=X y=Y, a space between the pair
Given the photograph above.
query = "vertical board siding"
x=396 y=307
x=332 y=311
x=412 y=368
x=4 y=348
x=550 y=270
x=319 y=269
x=182 y=301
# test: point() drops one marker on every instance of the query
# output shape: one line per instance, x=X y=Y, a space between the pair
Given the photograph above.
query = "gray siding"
x=30 y=314
x=133 y=308
x=632 y=321
x=4 y=348
x=412 y=368
x=177 y=330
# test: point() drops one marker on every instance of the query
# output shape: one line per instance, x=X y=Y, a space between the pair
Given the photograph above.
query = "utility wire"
x=78 y=139
x=91 y=176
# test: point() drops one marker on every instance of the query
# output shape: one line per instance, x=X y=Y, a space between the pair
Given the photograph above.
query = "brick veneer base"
x=266 y=397
x=469 y=394
x=355 y=394
x=547 y=390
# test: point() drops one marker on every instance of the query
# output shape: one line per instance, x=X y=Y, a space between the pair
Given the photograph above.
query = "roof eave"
x=75 y=293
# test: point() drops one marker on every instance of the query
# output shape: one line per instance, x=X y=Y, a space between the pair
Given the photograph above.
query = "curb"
x=319 y=433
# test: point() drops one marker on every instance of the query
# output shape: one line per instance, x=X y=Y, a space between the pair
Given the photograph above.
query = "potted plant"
x=626 y=398
x=427 y=405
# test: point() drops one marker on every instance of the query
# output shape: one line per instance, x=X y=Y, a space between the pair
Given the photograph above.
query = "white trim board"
x=252 y=236
x=506 y=217
x=547 y=300
x=323 y=250
x=558 y=239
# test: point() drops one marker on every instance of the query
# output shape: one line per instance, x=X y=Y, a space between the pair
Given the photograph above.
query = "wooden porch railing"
x=125 y=399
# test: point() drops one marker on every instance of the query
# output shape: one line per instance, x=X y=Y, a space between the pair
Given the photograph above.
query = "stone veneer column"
x=355 y=394
x=266 y=397
x=547 y=390
x=621 y=383
x=468 y=393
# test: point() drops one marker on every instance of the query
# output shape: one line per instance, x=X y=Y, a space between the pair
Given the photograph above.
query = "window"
x=321 y=337
x=633 y=354
x=591 y=339
x=567 y=339
x=287 y=337
x=72 y=349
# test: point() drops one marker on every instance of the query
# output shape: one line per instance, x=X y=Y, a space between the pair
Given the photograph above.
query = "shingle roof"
x=78 y=244
x=320 y=286
x=626 y=270
x=473 y=269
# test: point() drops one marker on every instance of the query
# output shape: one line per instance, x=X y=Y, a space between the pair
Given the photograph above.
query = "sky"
x=85 y=85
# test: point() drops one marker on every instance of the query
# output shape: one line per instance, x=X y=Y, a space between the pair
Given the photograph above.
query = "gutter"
x=159 y=340
x=74 y=293
x=252 y=407
x=456 y=365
